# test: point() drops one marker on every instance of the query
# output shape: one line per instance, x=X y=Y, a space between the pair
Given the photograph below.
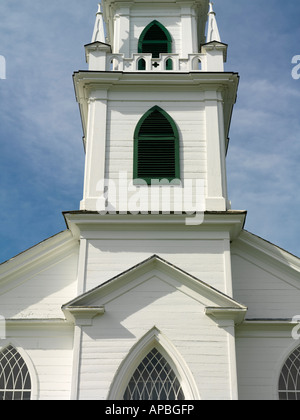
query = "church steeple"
x=144 y=57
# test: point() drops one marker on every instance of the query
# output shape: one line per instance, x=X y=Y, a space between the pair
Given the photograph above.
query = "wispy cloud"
x=40 y=130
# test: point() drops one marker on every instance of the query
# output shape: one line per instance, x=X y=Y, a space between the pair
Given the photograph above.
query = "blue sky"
x=42 y=157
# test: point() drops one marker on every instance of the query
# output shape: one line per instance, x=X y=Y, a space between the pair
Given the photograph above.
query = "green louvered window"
x=155 y=39
x=156 y=147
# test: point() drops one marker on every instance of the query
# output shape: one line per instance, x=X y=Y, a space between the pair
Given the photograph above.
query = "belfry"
x=155 y=291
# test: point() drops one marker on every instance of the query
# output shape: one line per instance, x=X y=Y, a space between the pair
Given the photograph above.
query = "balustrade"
x=145 y=62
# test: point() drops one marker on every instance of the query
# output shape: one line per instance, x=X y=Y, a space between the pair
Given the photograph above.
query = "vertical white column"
x=187 y=41
x=232 y=363
x=116 y=43
x=122 y=30
x=227 y=267
x=125 y=33
x=195 y=32
x=82 y=264
x=76 y=362
x=215 y=200
x=95 y=151
x=223 y=149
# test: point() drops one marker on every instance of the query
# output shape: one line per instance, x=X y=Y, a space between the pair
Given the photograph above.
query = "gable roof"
x=38 y=255
x=268 y=251
x=222 y=305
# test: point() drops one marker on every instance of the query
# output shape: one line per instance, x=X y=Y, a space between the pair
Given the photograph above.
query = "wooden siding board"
x=265 y=294
x=202 y=344
x=259 y=358
x=204 y=257
x=123 y=117
x=41 y=294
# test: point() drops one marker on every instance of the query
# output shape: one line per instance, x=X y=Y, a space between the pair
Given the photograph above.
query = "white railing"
x=165 y=63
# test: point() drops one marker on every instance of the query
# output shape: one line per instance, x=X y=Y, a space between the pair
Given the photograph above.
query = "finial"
x=99 y=9
x=99 y=31
x=211 y=10
x=212 y=31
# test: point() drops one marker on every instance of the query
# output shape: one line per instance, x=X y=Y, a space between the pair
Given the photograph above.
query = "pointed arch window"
x=289 y=380
x=156 y=147
x=15 y=382
x=154 y=379
x=155 y=39
x=153 y=363
x=141 y=64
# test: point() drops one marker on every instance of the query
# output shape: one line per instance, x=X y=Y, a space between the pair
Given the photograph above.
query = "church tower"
x=154 y=291
x=156 y=105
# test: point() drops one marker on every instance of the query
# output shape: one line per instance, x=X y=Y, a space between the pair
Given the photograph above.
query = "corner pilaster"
x=216 y=191
x=95 y=150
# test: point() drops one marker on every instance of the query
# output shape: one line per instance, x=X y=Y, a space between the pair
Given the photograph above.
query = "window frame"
x=284 y=365
x=154 y=379
x=141 y=180
x=11 y=356
x=35 y=389
x=168 y=41
x=153 y=338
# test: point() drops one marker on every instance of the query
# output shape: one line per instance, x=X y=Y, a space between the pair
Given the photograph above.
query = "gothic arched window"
x=15 y=382
x=154 y=379
x=141 y=64
x=289 y=380
x=156 y=147
x=155 y=39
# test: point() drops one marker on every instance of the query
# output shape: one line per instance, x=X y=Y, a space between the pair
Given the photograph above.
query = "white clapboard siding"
x=261 y=354
x=202 y=258
x=169 y=18
x=48 y=350
x=123 y=117
x=199 y=341
x=40 y=292
x=267 y=293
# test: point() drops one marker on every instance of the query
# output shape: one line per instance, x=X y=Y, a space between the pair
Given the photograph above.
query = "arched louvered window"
x=156 y=147
x=15 y=382
x=289 y=380
x=155 y=39
x=154 y=379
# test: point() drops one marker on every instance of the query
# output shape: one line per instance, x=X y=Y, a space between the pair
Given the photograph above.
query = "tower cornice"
x=215 y=223
x=85 y=78
x=88 y=83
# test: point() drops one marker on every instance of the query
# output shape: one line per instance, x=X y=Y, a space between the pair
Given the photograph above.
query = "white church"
x=155 y=291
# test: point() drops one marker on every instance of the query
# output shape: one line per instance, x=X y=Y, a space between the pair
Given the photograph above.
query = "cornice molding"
x=82 y=315
x=82 y=223
x=38 y=255
x=251 y=244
